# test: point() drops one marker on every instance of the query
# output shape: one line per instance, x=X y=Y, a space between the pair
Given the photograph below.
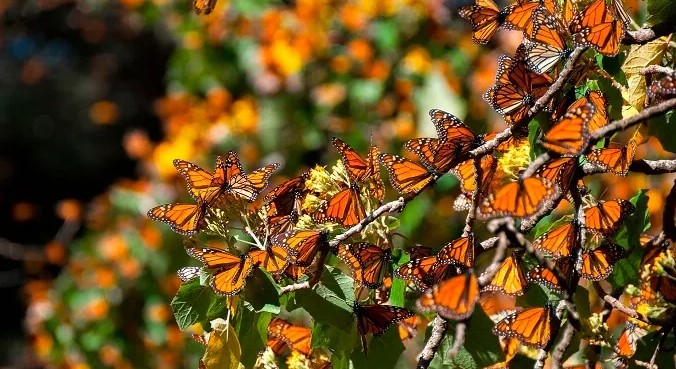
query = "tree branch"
x=562 y=346
x=646 y=35
x=432 y=345
x=620 y=125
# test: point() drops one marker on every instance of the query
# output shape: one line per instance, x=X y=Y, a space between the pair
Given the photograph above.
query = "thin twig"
x=316 y=277
x=622 y=124
x=619 y=306
x=540 y=360
x=487 y=276
x=646 y=35
x=562 y=346
x=534 y=165
x=652 y=69
x=390 y=207
x=458 y=339
x=432 y=345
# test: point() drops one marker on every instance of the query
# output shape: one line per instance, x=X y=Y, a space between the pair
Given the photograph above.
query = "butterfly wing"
x=570 y=134
x=458 y=252
x=597 y=264
x=605 y=217
x=345 y=208
x=597 y=27
x=546 y=277
x=186 y=274
x=484 y=17
x=302 y=245
x=406 y=176
x=509 y=278
x=531 y=326
x=376 y=319
x=184 y=219
x=453 y=298
x=522 y=198
x=202 y=185
x=367 y=262
x=558 y=242
x=274 y=259
x=424 y=272
x=231 y=270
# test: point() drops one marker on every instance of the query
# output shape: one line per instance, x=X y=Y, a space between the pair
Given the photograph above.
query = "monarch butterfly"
x=458 y=252
x=605 y=217
x=279 y=223
x=626 y=344
x=597 y=264
x=531 y=326
x=558 y=242
x=595 y=26
x=274 y=259
x=559 y=171
x=662 y=88
x=549 y=45
x=294 y=272
x=276 y=344
x=664 y=284
x=361 y=170
x=302 y=245
x=286 y=197
x=546 y=277
x=522 y=198
x=203 y=6
x=298 y=338
x=408 y=327
x=510 y=347
x=523 y=13
x=486 y=18
x=186 y=274
x=417 y=252
x=570 y=134
x=465 y=173
x=509 y=278
x=406 y=176
x=230 y=178
x=614 y=160
x=184 y=219
x=453 y=298
x=424 y=272
x=376 y=319
x=600 y=102
x=344 y=208
x=517 y=87
x=368 y=262
x=230 y=270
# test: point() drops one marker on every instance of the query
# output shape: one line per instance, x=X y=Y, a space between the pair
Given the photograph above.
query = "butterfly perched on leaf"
x=362 y=171
x=375 y=319
x=597 y=264
x=458 y=252
x=509 y=279
x=570 y=134
x=531 y=326
x=453 y=298
x=597 y=26
x=302 y=245
x=297 y=338
x=605 y=217
x=229 y=270
x=425 y=272
x=367 y=261
x=523 y=198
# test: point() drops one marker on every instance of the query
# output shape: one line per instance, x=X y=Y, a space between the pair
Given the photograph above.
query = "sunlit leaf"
x=223 y=350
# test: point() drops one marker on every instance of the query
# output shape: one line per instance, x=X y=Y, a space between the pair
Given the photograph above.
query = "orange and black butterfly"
x=605 y=217
x=600 y=102
x=376 y=319
x=523 y=14
x=458 y=252
x=662 y=88
x=279 y=223
x=517 y=87
x=531 y=326
x=522 y=198
x=549 y=43
x=297 y=338
x=453 y=298
x=185 y=219
x=274 y=259
x=509 y=278
x=614 y=160
x=286 y=197
x=558 y=242
x=465 y=172
x=597 y=264
x=302 y=245
x=406 y=176
x=570 y=134
x=203 y=6
x=597 y=27
x=559 y=171
x=294 y=272
x=362 y=171
x=230 y=271
x=664 y=284
x=367 y=261
x=626 y=344
x=546 y=277
x=344 y=208
x=425 y=272
x=408 y=327
x=486 y=18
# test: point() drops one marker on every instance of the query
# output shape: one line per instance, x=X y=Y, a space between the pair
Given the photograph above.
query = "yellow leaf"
x=639 y=57
x=223 y=350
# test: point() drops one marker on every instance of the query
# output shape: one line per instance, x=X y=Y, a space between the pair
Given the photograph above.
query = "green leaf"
x=398 y=285
x=191 y=303
x=386 y=35
x=661 y=11
x=626 y=270
x=252 y=330
x=482 y=345
x=662 y=127
x=383 y=351
x=339 y=342
x=411 y=217
x=331 y=300
x=262 y=292
x=365 y=92
x=534 y=131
